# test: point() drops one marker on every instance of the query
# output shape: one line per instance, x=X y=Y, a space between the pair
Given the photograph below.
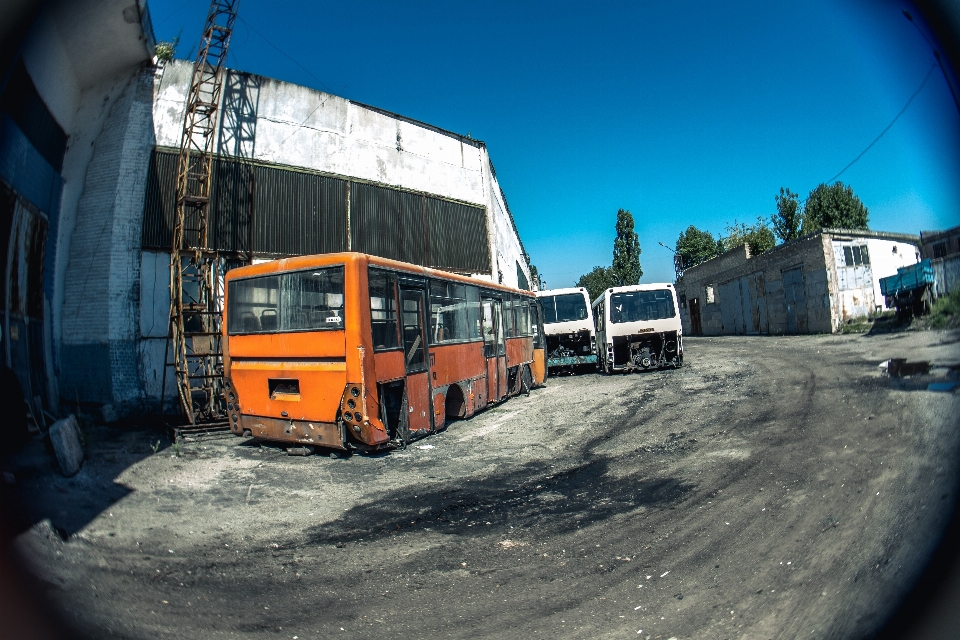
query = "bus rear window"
x=298 y=301
x=563 y=308
x=641 y=306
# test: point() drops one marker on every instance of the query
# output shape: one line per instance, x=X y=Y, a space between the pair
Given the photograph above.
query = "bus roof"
x=560 y=292
x=352 y=257
x=652 y=286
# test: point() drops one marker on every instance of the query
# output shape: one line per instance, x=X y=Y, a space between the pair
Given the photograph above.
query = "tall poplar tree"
x=626 y=251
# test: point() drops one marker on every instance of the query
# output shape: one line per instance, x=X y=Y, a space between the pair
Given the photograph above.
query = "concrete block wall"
x=808 y=253
x=947 y=273
x=101 y=286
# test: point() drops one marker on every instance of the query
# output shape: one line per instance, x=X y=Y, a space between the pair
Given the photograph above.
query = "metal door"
x=754 y=305
x=731 y=307
x=494 y=349
x=696 y=324
x=413 y=319
x=793 y=295
x=746 y=302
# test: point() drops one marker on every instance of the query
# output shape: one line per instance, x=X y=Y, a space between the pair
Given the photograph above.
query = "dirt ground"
x=771 y=488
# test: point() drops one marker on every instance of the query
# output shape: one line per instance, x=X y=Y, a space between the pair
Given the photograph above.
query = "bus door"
x=495 y=349
x=413 y=318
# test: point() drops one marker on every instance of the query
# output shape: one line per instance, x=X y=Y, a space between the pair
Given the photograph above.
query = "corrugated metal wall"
x=298 y=213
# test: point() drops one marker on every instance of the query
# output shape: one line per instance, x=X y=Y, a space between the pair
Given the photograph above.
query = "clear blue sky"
x=682 y=112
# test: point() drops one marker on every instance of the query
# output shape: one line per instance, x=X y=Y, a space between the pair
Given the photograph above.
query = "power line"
x=897 y=117
x=251 y=27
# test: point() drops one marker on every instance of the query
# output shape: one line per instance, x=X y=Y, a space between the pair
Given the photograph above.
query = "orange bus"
x=349 y=351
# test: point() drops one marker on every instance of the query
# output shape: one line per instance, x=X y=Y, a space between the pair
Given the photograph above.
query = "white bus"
x=568 y=326
x=638 y=328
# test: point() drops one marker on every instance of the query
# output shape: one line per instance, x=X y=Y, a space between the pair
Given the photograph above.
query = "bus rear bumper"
x=302 y=432
x=571 y=361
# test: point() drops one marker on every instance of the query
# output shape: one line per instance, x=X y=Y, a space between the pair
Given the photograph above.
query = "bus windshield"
x=641 y=306
x=563 y=308
x=309 y=300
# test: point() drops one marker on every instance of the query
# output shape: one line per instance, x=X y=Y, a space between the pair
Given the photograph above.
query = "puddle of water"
x=900 y=367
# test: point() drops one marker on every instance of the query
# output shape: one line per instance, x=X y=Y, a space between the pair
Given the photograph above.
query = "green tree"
x=695 y=245
x=598 y=280
x=789 y=217
x=534 y=276
x=834 y=207
x=758 y=236
x=626 y=251
x=165 y=50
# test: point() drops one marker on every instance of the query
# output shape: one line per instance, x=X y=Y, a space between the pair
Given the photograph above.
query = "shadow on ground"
x=33 y=489
x=533 y=495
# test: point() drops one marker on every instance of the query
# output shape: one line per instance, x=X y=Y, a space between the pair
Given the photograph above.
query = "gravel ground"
x=772 y=487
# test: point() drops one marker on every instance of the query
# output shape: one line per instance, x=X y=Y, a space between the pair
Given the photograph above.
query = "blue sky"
x=682 y=112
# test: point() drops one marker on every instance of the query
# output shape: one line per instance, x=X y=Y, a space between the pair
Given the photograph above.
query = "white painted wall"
x=858 y=286
x=302 y=127
x=886 y=256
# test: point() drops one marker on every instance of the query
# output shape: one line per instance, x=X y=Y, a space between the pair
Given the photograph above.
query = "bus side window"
x=508 y=321
x=489 y=330
x=474 y=331
x=383 y=309
x=448 y=312
x=535 y=320
x=523 y=317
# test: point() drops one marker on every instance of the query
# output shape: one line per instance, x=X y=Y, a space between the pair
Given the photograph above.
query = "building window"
x=683 y=301
x=711 y=296
x=856 y=255
x=940 y=250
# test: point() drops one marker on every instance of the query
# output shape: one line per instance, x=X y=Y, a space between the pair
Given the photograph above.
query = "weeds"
x=946 y=312
x=155 y=446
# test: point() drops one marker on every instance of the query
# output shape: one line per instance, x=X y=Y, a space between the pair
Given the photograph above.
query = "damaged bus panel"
x=568 y=322
x=638 y=328
x=353 y=352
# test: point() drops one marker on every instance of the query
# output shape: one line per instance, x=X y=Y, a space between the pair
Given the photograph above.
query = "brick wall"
x=98 y=352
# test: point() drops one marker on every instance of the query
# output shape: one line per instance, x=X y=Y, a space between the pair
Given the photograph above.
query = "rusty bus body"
x=349 y=351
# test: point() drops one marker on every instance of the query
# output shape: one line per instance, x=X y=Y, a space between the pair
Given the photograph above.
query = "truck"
x=911 y=290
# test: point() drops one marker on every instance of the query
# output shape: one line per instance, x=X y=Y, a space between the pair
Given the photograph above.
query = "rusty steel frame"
x=196 y=268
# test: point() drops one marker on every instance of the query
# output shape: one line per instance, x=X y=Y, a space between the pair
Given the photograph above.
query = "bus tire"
x=403 y=429
x=526 y=381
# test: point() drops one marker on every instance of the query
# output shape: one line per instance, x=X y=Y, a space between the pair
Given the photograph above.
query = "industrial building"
x=943 y=250
x=810 y=285
x=88 y=157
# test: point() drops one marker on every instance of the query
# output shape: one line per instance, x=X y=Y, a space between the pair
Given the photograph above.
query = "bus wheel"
x=526 y=380
x=403 y=428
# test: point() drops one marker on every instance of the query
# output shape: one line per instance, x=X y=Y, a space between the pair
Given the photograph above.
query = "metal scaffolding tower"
x=196 y=268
